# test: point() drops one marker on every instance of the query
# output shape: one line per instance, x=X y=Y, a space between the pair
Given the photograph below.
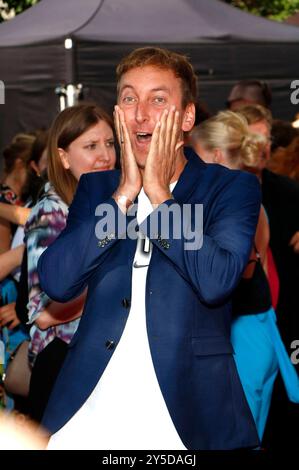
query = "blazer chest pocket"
x=210 y=346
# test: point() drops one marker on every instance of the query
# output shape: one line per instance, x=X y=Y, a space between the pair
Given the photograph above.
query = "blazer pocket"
x=209 y=346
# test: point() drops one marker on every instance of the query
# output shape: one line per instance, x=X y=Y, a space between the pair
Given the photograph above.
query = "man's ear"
x=64 y=158
x=188 y=117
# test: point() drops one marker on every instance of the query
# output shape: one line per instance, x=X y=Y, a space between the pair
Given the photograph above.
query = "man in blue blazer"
x=169 y=381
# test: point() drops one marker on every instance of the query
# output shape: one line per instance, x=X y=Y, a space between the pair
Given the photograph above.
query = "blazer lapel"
x=190 y=176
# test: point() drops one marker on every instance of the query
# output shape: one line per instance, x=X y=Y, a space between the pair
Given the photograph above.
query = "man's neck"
x=181 y=163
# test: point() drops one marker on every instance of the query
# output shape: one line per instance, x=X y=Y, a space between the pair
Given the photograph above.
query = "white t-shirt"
x=126 y=409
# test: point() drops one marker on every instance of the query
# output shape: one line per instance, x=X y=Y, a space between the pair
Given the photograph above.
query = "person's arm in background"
x=10 y=260
x=54 y=313
x=5 y=235
x=15 y=214
x=57 y=313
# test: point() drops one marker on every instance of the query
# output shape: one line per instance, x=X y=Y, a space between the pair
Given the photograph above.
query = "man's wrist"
x=158 y=197
x=123 y=201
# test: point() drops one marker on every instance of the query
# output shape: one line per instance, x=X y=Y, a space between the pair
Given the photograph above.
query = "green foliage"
x=10 y=8
x=272 y=9
x=20 y=5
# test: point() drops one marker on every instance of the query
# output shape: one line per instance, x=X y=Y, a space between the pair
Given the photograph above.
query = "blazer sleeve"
x=215 y=263
x=66 y=266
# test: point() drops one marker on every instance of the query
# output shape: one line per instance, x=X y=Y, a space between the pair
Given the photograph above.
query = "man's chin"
x=141 y=165
x=140 y=160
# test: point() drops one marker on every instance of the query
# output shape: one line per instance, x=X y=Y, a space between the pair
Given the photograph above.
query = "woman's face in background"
x=262 y=128
x=92 y=151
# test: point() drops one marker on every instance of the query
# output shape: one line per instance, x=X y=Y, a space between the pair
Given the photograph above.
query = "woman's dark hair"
x=19 y=148
x=35 y=182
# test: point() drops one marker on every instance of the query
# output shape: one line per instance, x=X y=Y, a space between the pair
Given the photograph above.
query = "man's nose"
x=142 y=112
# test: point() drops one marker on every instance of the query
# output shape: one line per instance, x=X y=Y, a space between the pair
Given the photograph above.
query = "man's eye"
x=129 y=99
x=91 y=146
x=159 y=100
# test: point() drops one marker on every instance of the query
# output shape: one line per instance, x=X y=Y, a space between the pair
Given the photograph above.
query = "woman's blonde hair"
x=68 y=126
x=229 y=132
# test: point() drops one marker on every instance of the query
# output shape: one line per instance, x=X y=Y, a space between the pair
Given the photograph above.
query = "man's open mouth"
x=143 y=137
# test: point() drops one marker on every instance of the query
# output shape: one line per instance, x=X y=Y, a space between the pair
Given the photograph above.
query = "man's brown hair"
x=164 y=59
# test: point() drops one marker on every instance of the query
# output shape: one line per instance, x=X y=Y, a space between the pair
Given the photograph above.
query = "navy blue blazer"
x=187 y=302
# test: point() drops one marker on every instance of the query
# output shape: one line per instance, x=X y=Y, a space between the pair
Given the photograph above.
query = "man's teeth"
x=143 y=136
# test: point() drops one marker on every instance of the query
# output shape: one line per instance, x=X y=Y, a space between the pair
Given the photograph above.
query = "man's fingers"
x=175 y=131
x=121 y=124
x=154 y=147
x=169 y=130
x=179 y=145
x=117 y=123
x=161 y=144
x=124 y=134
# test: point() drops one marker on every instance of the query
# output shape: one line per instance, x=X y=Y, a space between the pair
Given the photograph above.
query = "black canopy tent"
x=223 y=43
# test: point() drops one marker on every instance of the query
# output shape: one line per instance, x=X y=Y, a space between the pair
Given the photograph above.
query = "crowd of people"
x=166 y=341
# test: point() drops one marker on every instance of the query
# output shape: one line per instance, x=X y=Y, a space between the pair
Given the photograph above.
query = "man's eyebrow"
x=159 y=88
x=126 y=86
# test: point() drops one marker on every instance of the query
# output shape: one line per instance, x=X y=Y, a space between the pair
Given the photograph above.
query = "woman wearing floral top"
x=46 y=221
x=81 y=140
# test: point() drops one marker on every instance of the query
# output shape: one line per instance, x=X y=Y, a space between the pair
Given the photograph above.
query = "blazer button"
x=126 y=303
x=110 y=344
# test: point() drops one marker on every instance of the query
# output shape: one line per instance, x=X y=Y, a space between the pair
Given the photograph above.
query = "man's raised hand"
x=161 y=162
x=131 y=180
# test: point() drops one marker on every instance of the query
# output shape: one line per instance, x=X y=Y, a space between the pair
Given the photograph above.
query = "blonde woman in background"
x=259 y=352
